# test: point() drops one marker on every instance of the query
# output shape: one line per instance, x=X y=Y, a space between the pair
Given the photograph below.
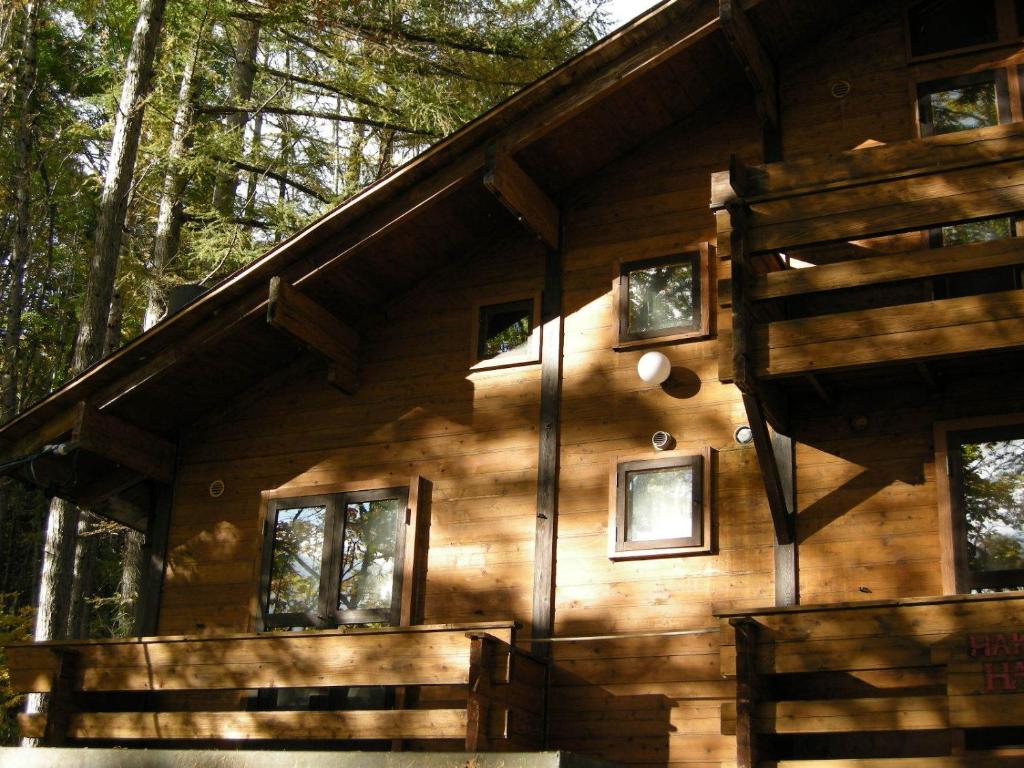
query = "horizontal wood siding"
x=866 y=501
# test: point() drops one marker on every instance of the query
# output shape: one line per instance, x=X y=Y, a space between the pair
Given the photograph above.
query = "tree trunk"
x=112 y=338
x=82 y=579
x=117 y=184
x=54 y=586
x=168 y=219
x=131 y=578
x=247 y=39
x=24 y=88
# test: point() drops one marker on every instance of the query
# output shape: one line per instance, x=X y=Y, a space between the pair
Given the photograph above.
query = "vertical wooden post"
x=61 y=703
x=147 y=609
x=747 y=692
x=546 y=533
x=478 y=704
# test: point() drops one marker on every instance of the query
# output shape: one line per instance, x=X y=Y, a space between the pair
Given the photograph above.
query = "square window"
x=946 y=25
x=506 y=333
x=963 y=103
x=334 y=559
x=663 y=298
x=659 y=508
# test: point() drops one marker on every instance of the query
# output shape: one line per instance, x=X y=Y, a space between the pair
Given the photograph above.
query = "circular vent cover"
x=216 y=488
x=840 y=89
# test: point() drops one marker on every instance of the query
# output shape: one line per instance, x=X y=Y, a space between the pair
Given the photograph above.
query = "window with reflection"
x=963 y=103
x=334 y=559
x=659 y=507
x=506 y=331
x=662 y=297
x=987 y=487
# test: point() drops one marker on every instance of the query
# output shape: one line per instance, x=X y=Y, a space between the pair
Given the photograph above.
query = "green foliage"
x=993 y=482
x=15 y=626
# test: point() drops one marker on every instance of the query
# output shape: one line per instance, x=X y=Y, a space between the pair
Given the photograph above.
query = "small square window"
x=506 y=333
x=963 y=103
x=663 y=298
x=946 y=25
x=659 y=508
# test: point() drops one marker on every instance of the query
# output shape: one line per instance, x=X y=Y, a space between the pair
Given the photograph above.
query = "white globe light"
x=654 y=368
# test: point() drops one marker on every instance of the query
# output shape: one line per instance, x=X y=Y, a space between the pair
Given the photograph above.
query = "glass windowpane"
x=659 y=504
x=964 y=108
x=368 y=557
x=661 y=297
x=976 y=232
x=993 y=490
x=296 y=559
x=505 y=329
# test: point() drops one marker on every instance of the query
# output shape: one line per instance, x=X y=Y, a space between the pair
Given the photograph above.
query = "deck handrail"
x=504 y=687
x=895 y=666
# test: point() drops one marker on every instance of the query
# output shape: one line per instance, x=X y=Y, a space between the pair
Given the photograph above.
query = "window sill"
x=674 y=338
x=657 y=552
x=505 y=362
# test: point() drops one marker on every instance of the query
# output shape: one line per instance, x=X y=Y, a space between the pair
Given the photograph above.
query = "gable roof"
x=650 y=73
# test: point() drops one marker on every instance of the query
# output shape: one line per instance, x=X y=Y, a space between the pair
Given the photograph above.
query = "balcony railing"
x=922 y=682
x=837 y=207
x=493 y=695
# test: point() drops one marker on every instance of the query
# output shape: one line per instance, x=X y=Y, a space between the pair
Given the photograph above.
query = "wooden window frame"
x=956 y=576
x=924 y=88
x=699 y=543
x=532 y=354
x=327 y=614
x=1007 y=33
x=701 y=257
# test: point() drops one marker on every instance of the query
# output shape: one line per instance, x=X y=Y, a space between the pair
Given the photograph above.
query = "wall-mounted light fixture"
x=654 y=368
x=743 y=434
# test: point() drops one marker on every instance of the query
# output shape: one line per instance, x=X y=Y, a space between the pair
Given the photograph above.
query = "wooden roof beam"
x=310 y=323
x=756 y=63
x=123 y=443
x=515 y=190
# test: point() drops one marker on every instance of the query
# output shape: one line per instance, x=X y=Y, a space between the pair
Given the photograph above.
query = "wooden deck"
x=845 y=214
x=495 y=692
x=938 y=675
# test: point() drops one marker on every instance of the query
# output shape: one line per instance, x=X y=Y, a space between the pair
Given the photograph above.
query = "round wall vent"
x=216 y=488
x=662 y=441
x=840 y=89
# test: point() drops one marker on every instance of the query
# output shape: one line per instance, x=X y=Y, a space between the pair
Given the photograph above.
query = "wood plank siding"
x=643 y=668
x=866 y=503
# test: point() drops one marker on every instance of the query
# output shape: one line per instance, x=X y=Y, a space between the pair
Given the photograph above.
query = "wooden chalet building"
x=415 y=433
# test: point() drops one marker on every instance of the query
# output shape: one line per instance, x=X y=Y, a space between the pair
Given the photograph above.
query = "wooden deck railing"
x=922 y=682
x=503 y=689
x=853 y=196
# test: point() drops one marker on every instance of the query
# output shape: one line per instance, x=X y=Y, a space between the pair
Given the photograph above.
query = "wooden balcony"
x=466 y=683
x=922 y=683
x=873 y=294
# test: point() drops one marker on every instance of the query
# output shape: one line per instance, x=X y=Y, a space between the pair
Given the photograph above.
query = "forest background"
x=150 y=146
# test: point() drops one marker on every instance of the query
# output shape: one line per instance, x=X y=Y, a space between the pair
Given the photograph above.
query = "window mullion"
x=334 y=538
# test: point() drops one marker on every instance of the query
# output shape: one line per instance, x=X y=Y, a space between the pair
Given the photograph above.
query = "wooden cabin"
x=404 y=487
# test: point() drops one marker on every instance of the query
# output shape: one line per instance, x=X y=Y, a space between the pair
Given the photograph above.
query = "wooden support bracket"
x=515 y=190
x=126 y=444
x=313 y=325
x=775 y=489
x=756 y=63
